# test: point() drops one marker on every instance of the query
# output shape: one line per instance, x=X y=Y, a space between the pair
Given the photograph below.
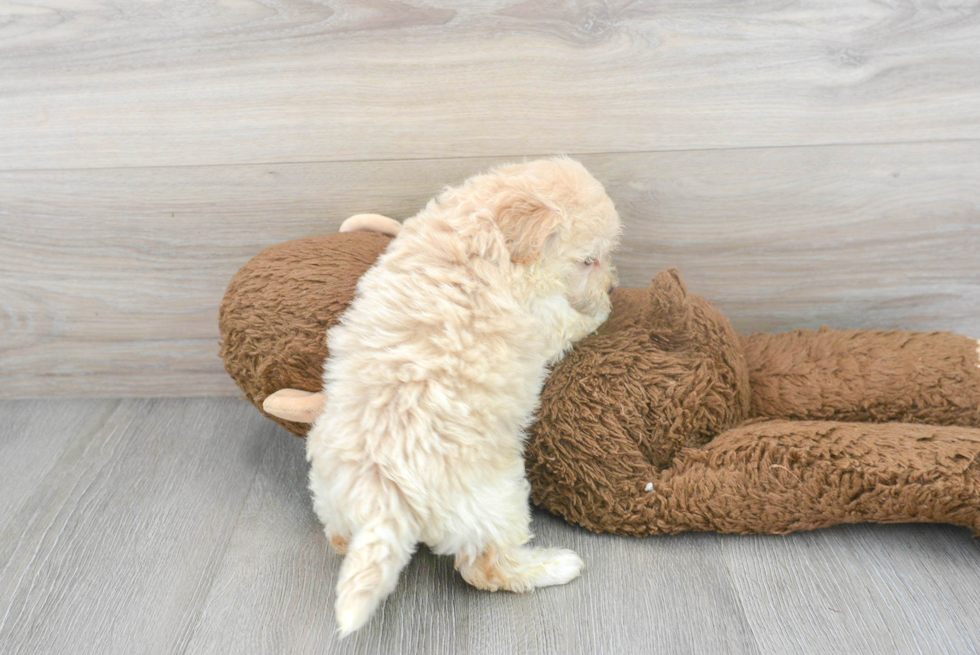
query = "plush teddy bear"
x=666 y=420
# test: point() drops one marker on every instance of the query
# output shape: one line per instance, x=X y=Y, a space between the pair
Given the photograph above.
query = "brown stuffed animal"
x=666 y=420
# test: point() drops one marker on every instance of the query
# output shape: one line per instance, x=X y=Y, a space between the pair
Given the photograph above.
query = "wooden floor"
x=184 y=526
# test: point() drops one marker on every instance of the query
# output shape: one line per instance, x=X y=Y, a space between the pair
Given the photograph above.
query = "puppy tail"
x=376 y=555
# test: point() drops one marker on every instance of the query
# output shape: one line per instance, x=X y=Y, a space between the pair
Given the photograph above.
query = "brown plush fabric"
x=277 y=309
x=897 y=376
x=771 y=477
x=667 y=396
x=602 y=415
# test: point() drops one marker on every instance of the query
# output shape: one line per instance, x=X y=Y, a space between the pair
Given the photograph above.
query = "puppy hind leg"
x=365 y=520
x=495 y=558
x=519 y=568
x=339 y=543
x=335 y=526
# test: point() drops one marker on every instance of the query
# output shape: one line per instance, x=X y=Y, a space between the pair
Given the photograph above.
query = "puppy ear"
x=526 y=223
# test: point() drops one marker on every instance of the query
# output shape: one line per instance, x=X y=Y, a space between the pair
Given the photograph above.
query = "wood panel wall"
x=802 y=164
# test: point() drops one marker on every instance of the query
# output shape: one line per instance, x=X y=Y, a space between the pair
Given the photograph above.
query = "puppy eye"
x=589 y=262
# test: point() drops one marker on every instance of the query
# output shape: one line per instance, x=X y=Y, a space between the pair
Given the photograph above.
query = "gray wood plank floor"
x=184 y=526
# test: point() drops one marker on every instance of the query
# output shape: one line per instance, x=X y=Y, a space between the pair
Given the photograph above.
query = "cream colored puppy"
x=435 y=371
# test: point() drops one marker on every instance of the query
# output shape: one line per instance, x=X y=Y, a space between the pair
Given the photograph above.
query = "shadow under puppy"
x=435 y=371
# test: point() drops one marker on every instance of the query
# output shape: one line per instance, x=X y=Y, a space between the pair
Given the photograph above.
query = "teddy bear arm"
x=784 y=476
x=865 y=375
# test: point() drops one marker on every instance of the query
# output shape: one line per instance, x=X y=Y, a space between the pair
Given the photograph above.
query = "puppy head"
x=558 y=223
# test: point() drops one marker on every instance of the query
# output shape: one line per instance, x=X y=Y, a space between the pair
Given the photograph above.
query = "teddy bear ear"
x=670 y=311
x=669 y=285
x=526 y=223
x=661 y=308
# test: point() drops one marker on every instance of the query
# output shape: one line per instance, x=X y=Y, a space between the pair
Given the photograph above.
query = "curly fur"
x=666 y=421
x=435 y=373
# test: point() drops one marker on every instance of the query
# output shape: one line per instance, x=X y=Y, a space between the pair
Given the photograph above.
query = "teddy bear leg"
x=294 y=405
x=371 y=223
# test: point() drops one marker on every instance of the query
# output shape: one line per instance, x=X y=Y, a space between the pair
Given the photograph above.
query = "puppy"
x=435 y=371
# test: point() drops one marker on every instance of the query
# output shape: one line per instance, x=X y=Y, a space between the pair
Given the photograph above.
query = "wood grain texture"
x=115 y=549
x=34 y=438
x=279 y=567
x=185 y=526
x=122 y=83
x=110 y=279
x=855 y=589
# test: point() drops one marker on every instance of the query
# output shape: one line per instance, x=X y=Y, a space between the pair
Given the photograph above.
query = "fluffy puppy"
x=435 y=371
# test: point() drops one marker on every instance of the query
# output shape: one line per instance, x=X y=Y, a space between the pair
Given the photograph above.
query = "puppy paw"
x=558 y=566
x=520 y=569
